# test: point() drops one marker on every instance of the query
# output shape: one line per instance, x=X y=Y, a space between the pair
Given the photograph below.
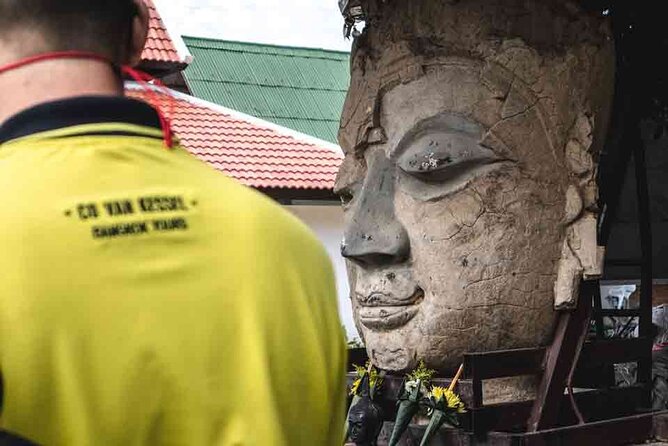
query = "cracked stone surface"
x=472 y=130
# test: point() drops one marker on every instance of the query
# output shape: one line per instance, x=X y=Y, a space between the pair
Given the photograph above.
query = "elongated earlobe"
x=581 y=259
x=569 y=276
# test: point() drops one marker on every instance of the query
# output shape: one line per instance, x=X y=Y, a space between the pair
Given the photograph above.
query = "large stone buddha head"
x=471 y=132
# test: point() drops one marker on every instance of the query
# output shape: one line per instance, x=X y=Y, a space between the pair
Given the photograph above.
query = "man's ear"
x=139 y=30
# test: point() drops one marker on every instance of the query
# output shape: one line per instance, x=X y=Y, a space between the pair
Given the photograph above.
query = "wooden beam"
x=595 y=404
x=644 y=373
x=614 y=351
x=660 y=430
x=620 y=431
x=504 y=363
x=282 y=194
x=598 y=317
x=619 y=313
x=559 y=360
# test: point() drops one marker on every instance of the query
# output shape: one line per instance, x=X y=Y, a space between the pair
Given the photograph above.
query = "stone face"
x=471 y=133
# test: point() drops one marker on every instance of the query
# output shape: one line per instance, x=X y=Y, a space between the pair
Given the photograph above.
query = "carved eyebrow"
x=447 y=122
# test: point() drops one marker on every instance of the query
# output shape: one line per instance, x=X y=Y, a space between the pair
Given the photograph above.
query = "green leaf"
x=438 y=418
x=405 y=413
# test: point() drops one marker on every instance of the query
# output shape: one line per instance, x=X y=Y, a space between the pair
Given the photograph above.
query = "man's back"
x=147 y=299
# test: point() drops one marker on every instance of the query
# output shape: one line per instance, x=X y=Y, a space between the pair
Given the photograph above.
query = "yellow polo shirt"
x=146 y=299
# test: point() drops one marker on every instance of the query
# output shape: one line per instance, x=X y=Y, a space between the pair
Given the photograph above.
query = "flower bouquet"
x=444 y=405
x=413 y=390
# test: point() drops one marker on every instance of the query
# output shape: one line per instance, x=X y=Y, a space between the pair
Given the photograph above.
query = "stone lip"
x=386 y=318
x=380 y=311
x=378 y=299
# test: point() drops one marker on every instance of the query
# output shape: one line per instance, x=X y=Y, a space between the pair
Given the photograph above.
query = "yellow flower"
x=438 y=392
x=375 y=380
x=359 y=370
x=442 y=395
x=355 y=386
x=454 y=402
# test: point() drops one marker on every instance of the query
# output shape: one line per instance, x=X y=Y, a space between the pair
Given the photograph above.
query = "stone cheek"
x=486 y=259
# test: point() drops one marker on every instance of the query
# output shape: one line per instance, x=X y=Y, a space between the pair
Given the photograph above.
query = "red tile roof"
x=257 y=153
x=159 y=46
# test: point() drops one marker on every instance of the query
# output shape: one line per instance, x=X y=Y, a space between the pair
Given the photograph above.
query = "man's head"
x=471 y=131
x=116 y=29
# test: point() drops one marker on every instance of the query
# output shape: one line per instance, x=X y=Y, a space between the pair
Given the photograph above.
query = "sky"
x=310 y=23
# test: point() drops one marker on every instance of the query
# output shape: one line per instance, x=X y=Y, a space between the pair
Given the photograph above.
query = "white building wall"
x=327 y=223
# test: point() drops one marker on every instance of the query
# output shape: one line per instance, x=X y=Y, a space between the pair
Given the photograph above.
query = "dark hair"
x=101 y=26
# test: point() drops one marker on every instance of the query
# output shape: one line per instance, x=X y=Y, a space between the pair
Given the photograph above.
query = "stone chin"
x=400 y=351
x=391 y=353
x=442 y=336
x=398 y=346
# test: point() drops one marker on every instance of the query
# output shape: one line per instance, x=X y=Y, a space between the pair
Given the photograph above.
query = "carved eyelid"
x=432 y=157
x=442 y=123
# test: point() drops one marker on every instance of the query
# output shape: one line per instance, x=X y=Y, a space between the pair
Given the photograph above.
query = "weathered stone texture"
x=471 y=133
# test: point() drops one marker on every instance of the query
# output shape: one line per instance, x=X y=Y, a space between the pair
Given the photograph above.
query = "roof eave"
x=159 y=68
x=295 y=193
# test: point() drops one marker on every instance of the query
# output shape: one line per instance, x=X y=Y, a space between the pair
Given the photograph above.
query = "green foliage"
x=375 y=378
x=421 y=373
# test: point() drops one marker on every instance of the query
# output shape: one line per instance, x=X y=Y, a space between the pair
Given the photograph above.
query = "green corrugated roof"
x=299 y=88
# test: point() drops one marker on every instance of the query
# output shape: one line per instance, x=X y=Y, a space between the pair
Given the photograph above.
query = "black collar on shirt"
x=78 y=111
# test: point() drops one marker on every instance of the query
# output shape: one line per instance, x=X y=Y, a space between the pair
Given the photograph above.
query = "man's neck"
x=55 y=80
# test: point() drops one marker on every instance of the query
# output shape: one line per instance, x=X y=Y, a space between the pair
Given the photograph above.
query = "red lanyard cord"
x=51 y=56
x=138 y=76
x=143 y=80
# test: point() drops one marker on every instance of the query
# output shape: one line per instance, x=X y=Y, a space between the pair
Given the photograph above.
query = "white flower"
x=412 y=385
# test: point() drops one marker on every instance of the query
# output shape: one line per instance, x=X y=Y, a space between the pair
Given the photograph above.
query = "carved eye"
x=437 y=157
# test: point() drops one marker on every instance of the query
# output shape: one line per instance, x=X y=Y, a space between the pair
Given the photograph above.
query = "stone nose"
x=376 y=246
x=373 y=235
